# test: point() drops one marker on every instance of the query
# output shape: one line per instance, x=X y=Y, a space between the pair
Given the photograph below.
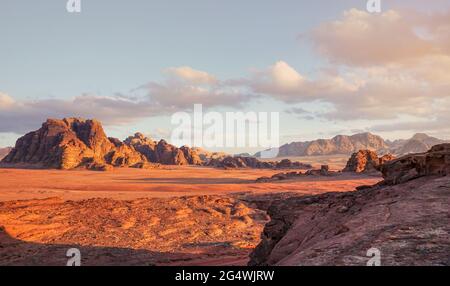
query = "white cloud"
x=380 y=68
x=362 y=38
x=155 y=98
x=191 y=75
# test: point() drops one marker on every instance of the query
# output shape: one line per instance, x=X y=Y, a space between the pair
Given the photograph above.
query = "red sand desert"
x=171 y=216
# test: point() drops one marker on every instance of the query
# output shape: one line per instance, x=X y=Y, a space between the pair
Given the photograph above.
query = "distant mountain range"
x=346 y=145
x=4 y=152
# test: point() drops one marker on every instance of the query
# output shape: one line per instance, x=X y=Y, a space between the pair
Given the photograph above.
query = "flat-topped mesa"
x=366 y=161
x=434 y=162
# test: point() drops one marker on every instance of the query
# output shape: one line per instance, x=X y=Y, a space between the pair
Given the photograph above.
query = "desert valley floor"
x=170 y=216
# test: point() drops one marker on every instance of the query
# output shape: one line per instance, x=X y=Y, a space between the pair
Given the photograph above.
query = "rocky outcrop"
x=340 y=144
x=207 y=156
x=231 y=162
x=407 y=221
x=67 y=144
x=323 y=171
x=163 y=152
x=74 y=143
x=366 y=161
x=343 y=144
x=434 y=162
x=419 y=143
x=4 y=152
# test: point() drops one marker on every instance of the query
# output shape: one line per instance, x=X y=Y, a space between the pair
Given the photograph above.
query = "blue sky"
x=117 y=46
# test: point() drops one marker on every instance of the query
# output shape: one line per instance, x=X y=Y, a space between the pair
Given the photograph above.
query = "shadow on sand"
x=14 y=252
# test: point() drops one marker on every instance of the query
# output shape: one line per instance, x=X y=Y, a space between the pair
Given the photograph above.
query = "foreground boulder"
x=405 y=218
x=366 y=161
x=434 y=162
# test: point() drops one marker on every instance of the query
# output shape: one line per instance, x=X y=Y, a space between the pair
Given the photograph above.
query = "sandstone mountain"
x=417 y=144
x=163 y=152
x=340 y=144
x=4 y=152
x=405 y=218
x=72 y=143
x=346 y=145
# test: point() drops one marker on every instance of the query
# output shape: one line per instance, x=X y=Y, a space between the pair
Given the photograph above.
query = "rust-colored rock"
x=230 y=162
x=434 y=162
x=365 y=161
x=78 y=143
x=406 y=220
x=64 y=144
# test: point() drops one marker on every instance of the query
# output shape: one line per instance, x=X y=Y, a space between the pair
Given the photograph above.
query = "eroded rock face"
x=73 y=143
x=406 y=220
x=408 y=223
x=434 y=162
x=340 y=144
x=366 y=161
x=63 y=144
x=251 y=162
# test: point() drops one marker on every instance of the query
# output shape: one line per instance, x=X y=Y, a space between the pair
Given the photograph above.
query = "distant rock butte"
x=343 y=144
x=340 y=144
x=73 y=143
x=406 y=213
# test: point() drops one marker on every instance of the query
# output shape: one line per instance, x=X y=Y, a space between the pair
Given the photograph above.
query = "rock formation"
x=4 y=152
x=406 y=218
x=231 y=162
x=366 y=161
x=70 y=143
x=340 y=144
x=207 y=156
x=163 y=152
x=323 y=171
x=345 y=145
x=74 y=143
x=434 y=162
x=419 y=143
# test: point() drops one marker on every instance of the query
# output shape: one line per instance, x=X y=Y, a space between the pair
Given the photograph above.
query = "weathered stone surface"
x=434 y=162
x=339 y=228
x=74 y=143
x=64 y=144
x=251 y=162
x=366 y=161
x=407 y=220
x=340 y=144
